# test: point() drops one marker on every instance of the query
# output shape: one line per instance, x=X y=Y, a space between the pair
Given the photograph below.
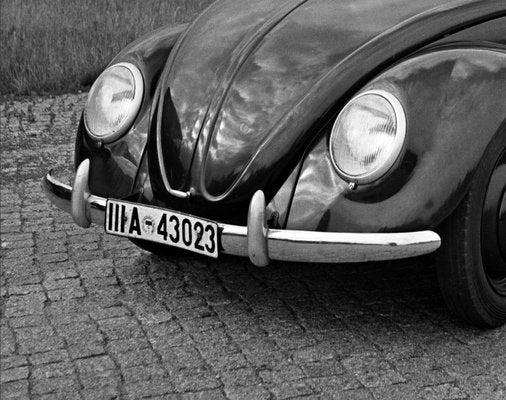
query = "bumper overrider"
x=256 y=240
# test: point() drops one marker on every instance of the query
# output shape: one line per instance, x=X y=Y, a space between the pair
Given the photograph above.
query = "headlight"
x=113 y=102
x=368 y=136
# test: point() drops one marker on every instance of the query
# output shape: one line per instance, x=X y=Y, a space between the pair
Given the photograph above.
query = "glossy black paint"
x=454 y=103
x=251 y=95
x=252 y=88
x=114 y=166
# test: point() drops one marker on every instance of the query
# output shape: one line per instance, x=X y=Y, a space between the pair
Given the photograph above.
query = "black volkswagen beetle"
x=311 y=131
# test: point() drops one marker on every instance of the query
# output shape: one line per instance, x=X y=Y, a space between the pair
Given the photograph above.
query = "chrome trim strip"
x=173 y=192
x=336 y=247
x=258 y=242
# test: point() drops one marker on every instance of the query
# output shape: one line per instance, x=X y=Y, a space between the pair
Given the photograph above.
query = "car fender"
x=114 y=166
x=453 y=97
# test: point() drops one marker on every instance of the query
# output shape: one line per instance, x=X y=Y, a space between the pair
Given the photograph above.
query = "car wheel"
x=472 y=273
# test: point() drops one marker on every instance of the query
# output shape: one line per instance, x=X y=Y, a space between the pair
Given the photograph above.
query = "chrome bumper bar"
x=256 y=240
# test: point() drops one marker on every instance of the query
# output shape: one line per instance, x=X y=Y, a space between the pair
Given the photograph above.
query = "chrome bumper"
x=256 y=240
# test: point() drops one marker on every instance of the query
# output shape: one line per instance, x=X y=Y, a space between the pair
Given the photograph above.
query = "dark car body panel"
x=247 y=114
x=246 y=109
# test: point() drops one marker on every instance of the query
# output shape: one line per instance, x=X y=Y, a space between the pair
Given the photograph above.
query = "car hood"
x=249 y=84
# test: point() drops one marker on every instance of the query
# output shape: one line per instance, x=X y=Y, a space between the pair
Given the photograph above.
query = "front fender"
x=114 y=166
x=454 y=103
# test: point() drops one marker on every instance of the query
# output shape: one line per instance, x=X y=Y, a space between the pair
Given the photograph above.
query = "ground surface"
x=89 y=316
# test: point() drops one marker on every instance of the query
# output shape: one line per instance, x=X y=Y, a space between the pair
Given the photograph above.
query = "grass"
x=57 y=46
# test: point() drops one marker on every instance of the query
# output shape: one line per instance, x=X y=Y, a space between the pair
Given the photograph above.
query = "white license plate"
x=158 y=225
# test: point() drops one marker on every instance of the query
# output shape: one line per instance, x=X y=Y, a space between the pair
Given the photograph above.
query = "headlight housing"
x=113 y=102
x=368 y=136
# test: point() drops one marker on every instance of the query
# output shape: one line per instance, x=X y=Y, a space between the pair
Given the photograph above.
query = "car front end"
x=203 y=139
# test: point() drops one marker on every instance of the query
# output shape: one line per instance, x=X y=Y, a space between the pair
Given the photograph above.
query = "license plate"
x=158 y=225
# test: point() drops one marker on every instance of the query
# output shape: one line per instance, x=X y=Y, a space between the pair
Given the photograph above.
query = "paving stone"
x=53 y=257
x=62 y=283
x=422 y=371
x=444 y=391
x=120 y=328
x=45 y=385
x=25 y=279
x=65 y=273
x=194 y=380
x=86 y=350
x=59 y=315
x=240 y=377
x=38 y=340
x=483 y=387
x=51 y=356
x=228 y=362
x=28 y=321
x=136 y=357
x=322 y=368
x=180 y=357
x=18 y=306
x=80 y=333
x=12 y=362
x=7 y=342
x=372 y=371
x=103 y=393
x=204 y=395
x=110 y=312
x=149 y=388
x=59 y=394
x=14 y=390
x=247 y=392
x=143 y=372
x=287 y=390
x=282 y=373
x=66 y=294
x=100 y=379
x=25 y=289
x=94 y=366
x=51 y=247
x=163 y=330
x=263 y=353
x=52 y=370
x=355 y=394
x=14 y=374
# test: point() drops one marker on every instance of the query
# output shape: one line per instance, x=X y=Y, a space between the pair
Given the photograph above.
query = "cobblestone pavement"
x=88 y=316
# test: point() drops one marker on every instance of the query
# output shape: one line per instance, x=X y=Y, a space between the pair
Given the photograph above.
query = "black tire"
x=472 y=271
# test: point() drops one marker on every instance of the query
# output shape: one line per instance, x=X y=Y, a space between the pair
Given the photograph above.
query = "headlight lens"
x=368 y=136
x=113 y=102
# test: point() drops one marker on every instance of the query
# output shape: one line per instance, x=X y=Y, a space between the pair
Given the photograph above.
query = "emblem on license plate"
x=162 y=226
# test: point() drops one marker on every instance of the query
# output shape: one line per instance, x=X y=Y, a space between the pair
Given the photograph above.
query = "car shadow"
x=304 y=297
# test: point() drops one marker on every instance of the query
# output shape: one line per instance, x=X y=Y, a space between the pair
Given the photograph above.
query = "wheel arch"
x=453 y=97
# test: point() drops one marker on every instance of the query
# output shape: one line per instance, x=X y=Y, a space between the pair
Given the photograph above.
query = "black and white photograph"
x=253 y=199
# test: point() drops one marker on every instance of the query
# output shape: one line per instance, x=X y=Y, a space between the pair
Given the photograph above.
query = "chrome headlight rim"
x=135 y=106
x=397 y=146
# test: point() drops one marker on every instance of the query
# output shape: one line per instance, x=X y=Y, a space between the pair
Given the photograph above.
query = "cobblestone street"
x=90 y=316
